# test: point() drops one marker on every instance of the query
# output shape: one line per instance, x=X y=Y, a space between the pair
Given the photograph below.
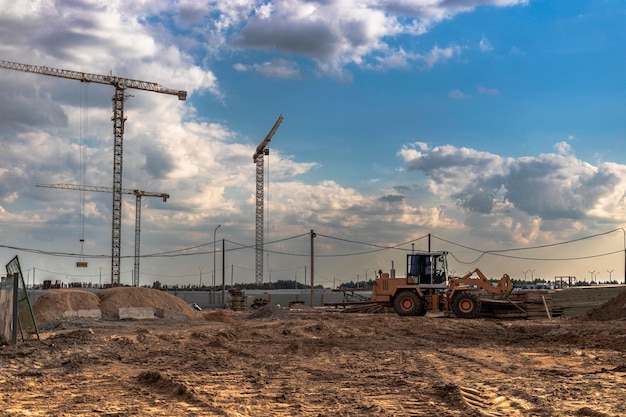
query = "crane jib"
x=119 y=82
x=261 y=147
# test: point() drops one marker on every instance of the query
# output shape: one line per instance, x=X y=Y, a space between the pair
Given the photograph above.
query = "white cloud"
x=458 y=95
x=438 y=54
x=488 y=91
x=485 y=45
x=563 y=148
x=278 y=68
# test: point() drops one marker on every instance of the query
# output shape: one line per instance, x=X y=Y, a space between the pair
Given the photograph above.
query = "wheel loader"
x=428 y=287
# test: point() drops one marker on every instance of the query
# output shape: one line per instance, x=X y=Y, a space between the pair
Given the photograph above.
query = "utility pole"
x=119 y=97
x=313 y=236
x=223 y=272
x=213 y=289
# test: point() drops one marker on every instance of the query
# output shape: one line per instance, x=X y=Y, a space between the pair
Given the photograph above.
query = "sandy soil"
x=308 y=363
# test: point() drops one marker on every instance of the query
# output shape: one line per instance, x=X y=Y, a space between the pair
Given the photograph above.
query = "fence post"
x=16 y=289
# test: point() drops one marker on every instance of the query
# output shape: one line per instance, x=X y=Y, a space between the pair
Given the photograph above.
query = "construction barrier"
x=16 y=314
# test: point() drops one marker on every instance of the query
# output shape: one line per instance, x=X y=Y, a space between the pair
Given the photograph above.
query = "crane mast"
x=120 y=84
x=138 y=194
x=258 y=159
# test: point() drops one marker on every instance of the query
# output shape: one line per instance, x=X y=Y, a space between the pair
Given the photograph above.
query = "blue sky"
x=492 y=124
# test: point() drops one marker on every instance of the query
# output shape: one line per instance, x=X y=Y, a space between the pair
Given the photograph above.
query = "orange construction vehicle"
x=427 y=287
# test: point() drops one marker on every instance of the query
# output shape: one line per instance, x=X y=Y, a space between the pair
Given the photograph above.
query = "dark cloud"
x=392 y=198
x=158 y=162
x=441 y=158
x=551 y=186
x=12 y=180
x=26 y=112
x=311 y=38
x=479 y=197
x=439 y=9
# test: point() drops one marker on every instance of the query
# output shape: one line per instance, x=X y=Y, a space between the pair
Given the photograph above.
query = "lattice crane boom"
x=259 y=239
x=137 y=193
x=94 y=78
x=96 y=188
x=120 y=84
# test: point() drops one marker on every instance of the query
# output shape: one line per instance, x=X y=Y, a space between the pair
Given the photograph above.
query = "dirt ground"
x=303 y=362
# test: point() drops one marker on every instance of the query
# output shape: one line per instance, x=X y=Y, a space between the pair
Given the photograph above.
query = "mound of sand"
x=614 y=309
x=219 y=316
x=54 y=303
x=112 y=299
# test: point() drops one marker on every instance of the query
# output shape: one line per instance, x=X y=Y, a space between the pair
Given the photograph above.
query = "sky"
x=493 y=129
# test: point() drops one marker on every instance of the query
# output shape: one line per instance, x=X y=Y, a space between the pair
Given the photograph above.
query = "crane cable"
x=84 y=131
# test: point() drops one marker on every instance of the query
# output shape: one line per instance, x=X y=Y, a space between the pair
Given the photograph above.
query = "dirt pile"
x=270 y=312
x=220 y=316
x=54 y=303
x=112 y=299
x=614 y=309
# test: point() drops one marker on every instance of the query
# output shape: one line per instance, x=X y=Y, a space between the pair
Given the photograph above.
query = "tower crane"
x=120 y=84
x=261 y=150
x=138 y=194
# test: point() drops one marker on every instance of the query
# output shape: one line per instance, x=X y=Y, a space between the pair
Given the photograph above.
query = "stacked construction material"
x=238 y=301
x=537 y=303
x=566 y=302
x=575 y=301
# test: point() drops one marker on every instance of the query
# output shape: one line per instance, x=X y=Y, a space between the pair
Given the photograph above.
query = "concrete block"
x=137 y=313
x=93 y=313
x=171 y=315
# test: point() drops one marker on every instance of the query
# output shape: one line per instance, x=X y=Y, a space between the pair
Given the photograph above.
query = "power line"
x=499 y=252
x=378 y=248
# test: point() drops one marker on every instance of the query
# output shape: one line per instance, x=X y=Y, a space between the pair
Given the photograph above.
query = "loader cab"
x=428 y=269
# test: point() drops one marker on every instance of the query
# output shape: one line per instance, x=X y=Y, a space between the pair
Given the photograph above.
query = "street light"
x=200 y=269
x=214 y=233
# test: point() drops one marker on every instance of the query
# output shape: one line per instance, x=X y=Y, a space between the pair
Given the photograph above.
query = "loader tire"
x=466 y=305
x=407 y=303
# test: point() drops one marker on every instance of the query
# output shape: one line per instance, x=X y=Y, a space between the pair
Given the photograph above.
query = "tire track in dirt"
x=500 y=377
x=319 y=365
x=351 y=379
